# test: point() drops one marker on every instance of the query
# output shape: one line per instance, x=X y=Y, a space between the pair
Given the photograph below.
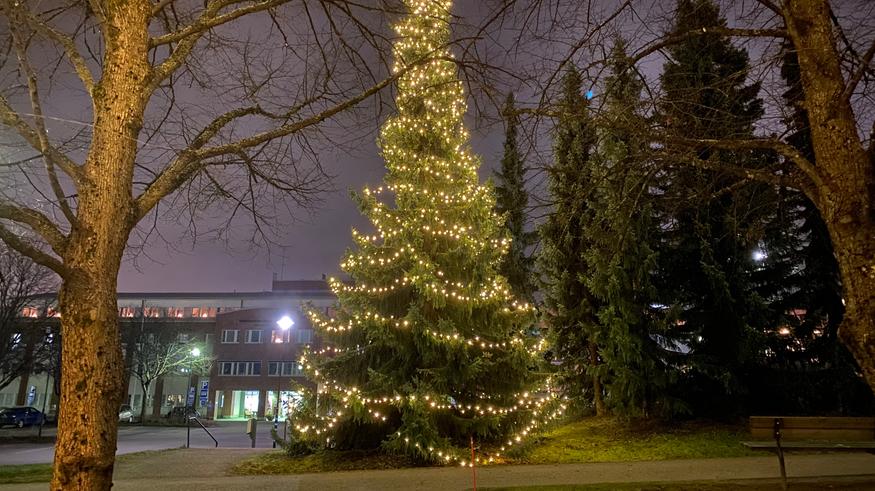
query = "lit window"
x=253 y=336
x=279 y=336
x=182 y=337
x=175 y=312
x=229 y=335
x=30 y=312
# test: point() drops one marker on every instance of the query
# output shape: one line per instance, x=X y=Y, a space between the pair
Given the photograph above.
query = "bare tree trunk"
x=91 y=388
x=92 y=362
x=597 y=399
x=845 y=185
x=145 y=387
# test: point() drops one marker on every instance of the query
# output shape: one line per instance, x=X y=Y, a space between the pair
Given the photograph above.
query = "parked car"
x=125 y=413
x=20 y=416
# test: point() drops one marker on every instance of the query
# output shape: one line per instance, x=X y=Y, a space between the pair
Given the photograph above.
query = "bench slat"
x=816 y=422
x=813 y=444
x=800 y=428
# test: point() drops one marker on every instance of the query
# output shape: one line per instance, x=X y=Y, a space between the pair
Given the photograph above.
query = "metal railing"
x=196 y=420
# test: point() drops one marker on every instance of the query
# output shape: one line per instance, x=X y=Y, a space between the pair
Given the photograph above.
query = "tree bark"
x=92 y=361
x=845 y=197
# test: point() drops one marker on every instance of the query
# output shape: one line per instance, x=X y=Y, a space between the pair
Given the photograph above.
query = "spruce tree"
x=621 y=259
x=427 y=348
x=711 y=221
x=570 y=309
x=512 y=200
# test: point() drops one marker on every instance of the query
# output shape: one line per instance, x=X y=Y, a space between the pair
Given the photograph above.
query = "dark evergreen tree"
x=511 y=200
x=428 y=346
x=621 y=260
x=570 y=309
x=711 y=221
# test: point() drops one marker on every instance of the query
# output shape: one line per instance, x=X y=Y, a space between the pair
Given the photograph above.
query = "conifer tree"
x=711 y=220
x=570 y=308
x=512 y=200
x=427 y=347
x=621 y=259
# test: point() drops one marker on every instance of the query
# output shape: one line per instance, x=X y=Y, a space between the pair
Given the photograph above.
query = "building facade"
x=249 y=364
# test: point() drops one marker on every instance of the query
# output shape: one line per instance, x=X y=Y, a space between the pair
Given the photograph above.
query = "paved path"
x=135 y=438
x=206 y=469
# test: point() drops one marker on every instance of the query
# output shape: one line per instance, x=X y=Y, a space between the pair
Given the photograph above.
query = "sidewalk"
x=206 y=469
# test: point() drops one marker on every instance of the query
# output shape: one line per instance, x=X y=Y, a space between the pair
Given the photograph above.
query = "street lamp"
x=195 y=352
x=285 y=323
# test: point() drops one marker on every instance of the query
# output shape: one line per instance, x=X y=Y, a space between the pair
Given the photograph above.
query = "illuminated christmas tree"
x=427 y=348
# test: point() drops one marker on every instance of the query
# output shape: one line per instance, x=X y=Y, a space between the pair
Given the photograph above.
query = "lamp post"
x=194 y=354
x=285 y=323
x=51 y=341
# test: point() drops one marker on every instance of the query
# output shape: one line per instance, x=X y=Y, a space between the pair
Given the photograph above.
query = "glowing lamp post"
x=195 y=352
x=285 y=323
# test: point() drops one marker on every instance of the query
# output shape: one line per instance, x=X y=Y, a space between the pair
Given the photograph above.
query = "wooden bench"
x=810 y=433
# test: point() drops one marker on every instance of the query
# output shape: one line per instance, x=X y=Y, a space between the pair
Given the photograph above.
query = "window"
x=285 y=369
x=304 y=336
x=30 y=312
x=153 y=311
x=126 y=312
x=253 y=336
x=280 y=336
x=240 y=368
x=175 y=312
x=229 y=336
x=182 y=337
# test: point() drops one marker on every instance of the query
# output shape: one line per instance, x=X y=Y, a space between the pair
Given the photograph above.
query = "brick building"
x=254 y=359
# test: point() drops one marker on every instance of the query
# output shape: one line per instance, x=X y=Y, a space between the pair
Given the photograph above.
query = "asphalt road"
x=135 y=438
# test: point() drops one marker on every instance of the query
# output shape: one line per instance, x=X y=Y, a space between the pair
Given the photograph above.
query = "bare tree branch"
x=193 y=158
x=858 y=75
x=11 y=118
x=721 y=31
x=37 y=222
x=66 y=42
x=42 y=134
x=15 y=242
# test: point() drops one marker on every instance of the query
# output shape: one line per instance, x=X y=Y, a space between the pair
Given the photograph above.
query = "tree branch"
x=38 y=256
x=37 y=222
x=41 y=133
x=188 y=36
x=66 y=42
x=10 y=117
x=191 y=160
x=721 y=31
x=858 y=75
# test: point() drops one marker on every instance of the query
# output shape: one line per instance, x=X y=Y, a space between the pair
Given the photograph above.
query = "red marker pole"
x=473 y=469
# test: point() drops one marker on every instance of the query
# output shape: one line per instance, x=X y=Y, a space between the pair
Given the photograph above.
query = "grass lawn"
x=587 y=440
x=17 y=474
x=326 y=461
x=12 y=474
x=612 y=440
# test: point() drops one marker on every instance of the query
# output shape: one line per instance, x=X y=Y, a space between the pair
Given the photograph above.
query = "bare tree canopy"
x=21 y=281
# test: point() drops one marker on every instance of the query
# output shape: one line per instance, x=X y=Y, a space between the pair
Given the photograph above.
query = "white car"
x=126 y=414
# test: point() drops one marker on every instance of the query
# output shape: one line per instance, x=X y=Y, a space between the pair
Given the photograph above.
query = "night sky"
x=314 y=244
